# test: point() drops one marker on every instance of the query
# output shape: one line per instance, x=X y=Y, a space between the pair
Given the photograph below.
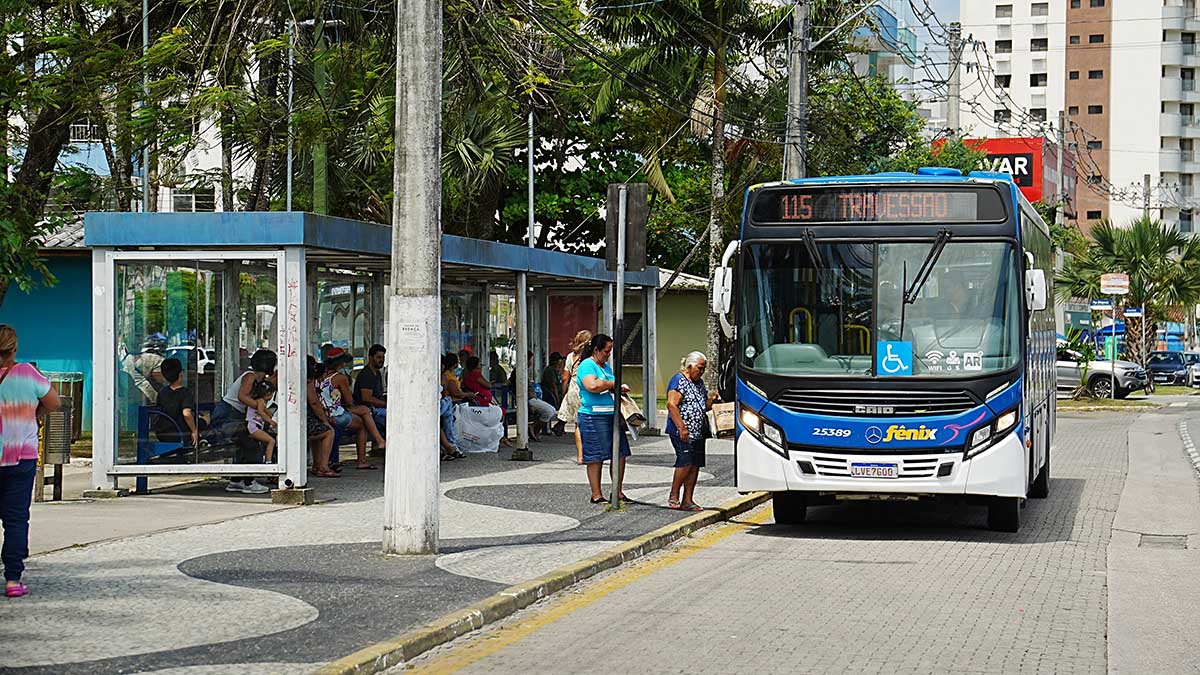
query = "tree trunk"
x=118 y=170
x=3 y=290
x=226 y=158
x=716 y=204
x=48 y=135
x=264 y=151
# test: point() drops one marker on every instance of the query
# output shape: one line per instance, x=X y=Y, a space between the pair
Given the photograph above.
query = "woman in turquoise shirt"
x=596 y=412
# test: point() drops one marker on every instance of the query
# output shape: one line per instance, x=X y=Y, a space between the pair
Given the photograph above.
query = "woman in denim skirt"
x=687 y=405
x=596 y=412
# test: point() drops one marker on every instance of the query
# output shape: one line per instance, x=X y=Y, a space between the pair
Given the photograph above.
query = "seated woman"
x=334 y=386
x=474 y=381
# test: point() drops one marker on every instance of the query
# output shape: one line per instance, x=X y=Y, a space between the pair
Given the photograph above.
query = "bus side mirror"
x=1035 y=289
x=721 y=290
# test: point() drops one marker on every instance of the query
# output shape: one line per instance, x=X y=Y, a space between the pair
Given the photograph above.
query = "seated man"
x=368 y=388
x=540 y=412
x=178 y=423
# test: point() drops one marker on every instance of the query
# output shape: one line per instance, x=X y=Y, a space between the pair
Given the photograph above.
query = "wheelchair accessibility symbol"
x=894 y=359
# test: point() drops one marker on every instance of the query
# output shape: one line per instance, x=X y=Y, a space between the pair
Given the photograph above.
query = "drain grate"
x=1172 y=541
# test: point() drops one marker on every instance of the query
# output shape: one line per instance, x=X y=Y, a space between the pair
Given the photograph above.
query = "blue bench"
x=147 y=450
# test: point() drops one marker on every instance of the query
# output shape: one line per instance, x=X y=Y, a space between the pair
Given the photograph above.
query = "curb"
x=407 y=646
x=1188 y=446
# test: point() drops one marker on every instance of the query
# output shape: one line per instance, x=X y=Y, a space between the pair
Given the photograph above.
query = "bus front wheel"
x=1004 y=514
x=791 y=508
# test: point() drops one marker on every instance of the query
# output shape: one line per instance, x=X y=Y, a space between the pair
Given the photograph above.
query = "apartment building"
x=1123 y=71
x=1012 y=74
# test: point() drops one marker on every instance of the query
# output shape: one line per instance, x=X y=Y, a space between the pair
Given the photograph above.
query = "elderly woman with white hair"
x=687 y=402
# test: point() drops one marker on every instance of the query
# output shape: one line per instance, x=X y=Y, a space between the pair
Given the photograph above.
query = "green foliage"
x=953 y=153
x=1163 y=267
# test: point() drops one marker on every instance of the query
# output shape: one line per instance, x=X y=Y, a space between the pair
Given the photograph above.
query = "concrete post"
x=104 y=370
x=410 y=494
x=650 y=357
x=293 y=436
x=231 y=325
x=521 y=364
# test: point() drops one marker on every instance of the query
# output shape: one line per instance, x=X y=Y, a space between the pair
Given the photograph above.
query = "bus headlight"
x=770 y=434
x=985 y=436
x=751 y=421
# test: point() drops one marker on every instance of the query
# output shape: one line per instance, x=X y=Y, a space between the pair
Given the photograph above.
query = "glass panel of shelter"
x=185 y=334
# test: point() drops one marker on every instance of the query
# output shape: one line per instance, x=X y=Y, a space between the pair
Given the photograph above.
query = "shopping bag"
x=479 y=427
x=631 y=412
x=722 y=418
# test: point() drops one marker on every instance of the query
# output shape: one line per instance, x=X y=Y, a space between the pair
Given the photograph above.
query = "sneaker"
x=235 y=486
x=255 y=488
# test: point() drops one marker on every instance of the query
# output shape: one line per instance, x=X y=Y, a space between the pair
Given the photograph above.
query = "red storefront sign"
x=1032 y=162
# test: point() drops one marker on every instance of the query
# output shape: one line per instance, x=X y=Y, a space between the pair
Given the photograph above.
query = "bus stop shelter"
x=210 y=289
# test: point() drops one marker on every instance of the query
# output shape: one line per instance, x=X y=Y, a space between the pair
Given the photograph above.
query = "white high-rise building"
x=1124 y=74
x=1012 y=74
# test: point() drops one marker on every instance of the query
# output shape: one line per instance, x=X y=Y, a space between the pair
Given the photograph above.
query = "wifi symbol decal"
x=934 y=356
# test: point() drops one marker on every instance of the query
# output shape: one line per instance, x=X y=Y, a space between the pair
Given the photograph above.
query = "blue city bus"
x=892 y=341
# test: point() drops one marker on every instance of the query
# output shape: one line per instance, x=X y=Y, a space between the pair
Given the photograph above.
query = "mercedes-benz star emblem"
x=874 y=435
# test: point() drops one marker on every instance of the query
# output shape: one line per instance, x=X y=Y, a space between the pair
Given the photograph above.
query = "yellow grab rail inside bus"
x=807 y=324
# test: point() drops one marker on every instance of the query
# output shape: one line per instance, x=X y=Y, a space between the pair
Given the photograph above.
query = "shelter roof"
x=346 y=244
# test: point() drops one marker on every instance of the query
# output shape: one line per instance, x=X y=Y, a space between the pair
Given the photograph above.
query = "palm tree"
x=693 y=44
x=1163 y=267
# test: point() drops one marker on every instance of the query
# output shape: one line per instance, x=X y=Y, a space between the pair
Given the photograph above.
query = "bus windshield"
x=823 y=309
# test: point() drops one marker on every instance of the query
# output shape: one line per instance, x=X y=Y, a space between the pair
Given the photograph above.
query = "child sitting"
x=259 y=422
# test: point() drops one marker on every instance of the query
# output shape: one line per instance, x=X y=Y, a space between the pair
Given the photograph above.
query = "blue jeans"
x=16 y=491
x=380 y=416
x=446 y=416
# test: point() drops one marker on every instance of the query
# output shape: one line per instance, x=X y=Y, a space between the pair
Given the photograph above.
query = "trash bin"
x=70 y=385
x=56 y=434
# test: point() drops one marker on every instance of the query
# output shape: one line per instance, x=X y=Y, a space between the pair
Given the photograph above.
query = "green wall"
x=682 y=323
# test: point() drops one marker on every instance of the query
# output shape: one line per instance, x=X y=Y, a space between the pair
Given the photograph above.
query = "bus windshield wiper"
x=810 y=245
x=918 y=282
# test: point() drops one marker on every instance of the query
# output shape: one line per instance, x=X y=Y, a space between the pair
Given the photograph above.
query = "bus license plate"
x=874 y=471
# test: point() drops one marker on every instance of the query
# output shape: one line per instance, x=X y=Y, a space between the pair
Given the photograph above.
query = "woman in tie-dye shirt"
x=25 y=394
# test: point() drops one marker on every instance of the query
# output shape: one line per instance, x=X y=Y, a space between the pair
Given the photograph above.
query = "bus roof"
x=931 y=174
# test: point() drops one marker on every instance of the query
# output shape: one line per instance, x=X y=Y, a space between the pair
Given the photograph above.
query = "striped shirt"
x=20 y=394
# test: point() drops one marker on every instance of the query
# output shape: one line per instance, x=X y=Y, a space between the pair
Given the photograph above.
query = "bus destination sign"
x=876 y=204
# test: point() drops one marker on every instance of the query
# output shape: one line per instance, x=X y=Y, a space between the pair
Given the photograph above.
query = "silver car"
x=1192 y=361
x=1129 y=375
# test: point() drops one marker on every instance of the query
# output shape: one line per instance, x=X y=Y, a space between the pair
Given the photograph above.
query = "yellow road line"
x=497 y=639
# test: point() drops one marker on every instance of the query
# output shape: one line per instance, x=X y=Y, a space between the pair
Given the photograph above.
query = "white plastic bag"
x=479 y=428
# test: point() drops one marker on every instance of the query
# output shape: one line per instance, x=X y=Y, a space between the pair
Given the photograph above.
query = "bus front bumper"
x=998 y=471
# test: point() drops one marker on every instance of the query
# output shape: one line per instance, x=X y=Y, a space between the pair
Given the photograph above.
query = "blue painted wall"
x=54 y=325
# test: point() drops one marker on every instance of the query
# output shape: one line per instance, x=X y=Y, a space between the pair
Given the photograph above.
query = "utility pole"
x=618 y=322
x=1146 y=196
x=320 y=151
x=145 y=101
x=795 y=156
x=522 y=451
x=797 y=119
x=1060 y=209
x=291 y=126
x=954 y=100
x=412 y=472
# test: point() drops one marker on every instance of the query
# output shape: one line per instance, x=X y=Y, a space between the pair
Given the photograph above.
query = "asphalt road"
x=879 y=588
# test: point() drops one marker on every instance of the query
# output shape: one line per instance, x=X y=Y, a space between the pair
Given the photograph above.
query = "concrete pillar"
x=231 y=325
x=650 y=356
x=104 y=369
x=521 y=398
x=293 y=437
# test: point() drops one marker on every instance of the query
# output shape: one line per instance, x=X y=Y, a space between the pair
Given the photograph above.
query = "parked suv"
x=1069 y=368
x=1167 y=367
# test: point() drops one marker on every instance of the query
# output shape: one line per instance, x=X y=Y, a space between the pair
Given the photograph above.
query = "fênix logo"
x=899 y=432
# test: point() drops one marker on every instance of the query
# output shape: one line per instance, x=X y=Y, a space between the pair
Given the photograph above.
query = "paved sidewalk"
x=285 y=589
x=1154 y=554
